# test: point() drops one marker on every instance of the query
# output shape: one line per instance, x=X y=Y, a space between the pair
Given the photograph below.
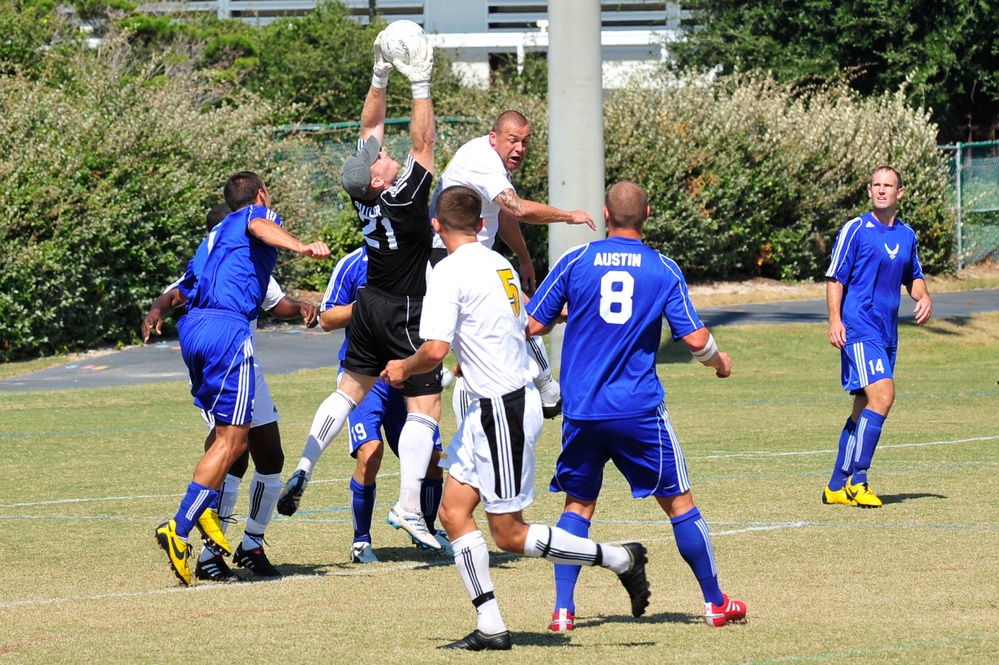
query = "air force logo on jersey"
x=892 y=253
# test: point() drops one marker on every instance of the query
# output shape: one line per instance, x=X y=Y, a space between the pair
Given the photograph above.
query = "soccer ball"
x=404 y=42
x=447 y=378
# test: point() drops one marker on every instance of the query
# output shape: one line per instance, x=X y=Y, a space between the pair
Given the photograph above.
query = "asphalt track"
x=284 y=349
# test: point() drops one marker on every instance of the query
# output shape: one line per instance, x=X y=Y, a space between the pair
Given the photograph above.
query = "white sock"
x=329 y=420
x=228 y=495
x=545 y=382
x=264 y=493
x=471 y=558
x=559 y=546
x=416 y=445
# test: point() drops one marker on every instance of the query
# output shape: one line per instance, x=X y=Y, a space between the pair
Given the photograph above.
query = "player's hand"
x=152 y=323
x=581 y=217
x=923 y=310
x=725 y=370
x=457 y=371
x=316 y=250
x=382 y=67
x=395 y=373
x=419 y=70
x=837 y=334
x=563 y=316
x=528 y=278
x=309 y=314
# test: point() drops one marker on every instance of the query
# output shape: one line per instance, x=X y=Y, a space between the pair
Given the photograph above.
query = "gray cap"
x=355 y=176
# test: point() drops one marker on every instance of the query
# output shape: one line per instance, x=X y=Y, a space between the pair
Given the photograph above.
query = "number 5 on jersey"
x=512 y=292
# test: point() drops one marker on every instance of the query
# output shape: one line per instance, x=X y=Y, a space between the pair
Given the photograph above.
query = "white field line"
x=826 y=451
x=370 y=569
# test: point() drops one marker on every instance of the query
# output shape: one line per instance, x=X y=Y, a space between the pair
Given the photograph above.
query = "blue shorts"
x=217 y=347
x=863 y=363
x=644 y=449
x=384 y=408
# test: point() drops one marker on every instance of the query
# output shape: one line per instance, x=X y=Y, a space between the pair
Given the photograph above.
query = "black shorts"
x=386 y=327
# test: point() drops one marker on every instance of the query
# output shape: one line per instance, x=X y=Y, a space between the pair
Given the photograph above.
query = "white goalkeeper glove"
x=418 y=72
x=382 y=67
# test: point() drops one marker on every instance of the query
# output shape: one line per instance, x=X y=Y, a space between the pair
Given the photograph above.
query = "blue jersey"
x=349 y=274
x=618 y=290
x=872 y=261
x=232 y=267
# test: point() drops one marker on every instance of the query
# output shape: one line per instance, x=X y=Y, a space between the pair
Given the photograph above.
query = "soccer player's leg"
x=416 y=445
x=578 y=473
x=211 y=566
x=265 y=488
x=367 y=448
x=551 y=392
x=648 y=454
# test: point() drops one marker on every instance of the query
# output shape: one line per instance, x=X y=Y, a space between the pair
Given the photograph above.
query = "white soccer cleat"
x=415 y=526
x=361 y=552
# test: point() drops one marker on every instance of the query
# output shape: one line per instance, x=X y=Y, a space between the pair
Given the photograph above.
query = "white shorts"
x=493 y=450
x=264 y=411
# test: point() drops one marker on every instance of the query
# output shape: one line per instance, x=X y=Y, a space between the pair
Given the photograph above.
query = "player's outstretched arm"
x=924 y=304
x=160 y=309
x=834 y=303
x=509 y=231
x=533 y=212
x=275 y=236
x=704 y=349
x=290 y=308
x=336 y=318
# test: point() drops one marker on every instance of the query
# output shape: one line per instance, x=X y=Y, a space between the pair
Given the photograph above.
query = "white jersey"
x=478 y=166
x=473 y=303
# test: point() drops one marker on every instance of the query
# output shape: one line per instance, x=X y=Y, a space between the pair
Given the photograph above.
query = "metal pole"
x=957 y=175
x=575 y=127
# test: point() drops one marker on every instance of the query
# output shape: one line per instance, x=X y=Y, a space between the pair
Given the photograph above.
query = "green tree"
x=946 y=53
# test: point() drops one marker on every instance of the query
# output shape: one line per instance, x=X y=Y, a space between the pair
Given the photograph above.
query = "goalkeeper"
x=391 y=200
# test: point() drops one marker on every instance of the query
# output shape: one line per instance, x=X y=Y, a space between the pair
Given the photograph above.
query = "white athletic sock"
x=559 y=546
x=545 y=382
x=471 y=558
x=329 y=420
x=228 y=495
x=265 y=489
x=416 y=445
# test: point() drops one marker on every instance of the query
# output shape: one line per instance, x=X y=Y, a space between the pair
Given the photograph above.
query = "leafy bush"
x=104 y=184
x=747 y=176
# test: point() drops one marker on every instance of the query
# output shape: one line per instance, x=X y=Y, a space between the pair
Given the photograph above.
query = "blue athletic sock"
x=566 y=575
x=196 y=501
x=844 y=456
x=868 y=432
x=362 y=505
x=430 y=500
x=694 y=543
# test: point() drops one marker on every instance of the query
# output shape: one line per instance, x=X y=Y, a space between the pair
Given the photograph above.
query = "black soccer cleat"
x=292 y=493
x=215 y=570
x=479 y=641
x=634 y=580
x=255 y=561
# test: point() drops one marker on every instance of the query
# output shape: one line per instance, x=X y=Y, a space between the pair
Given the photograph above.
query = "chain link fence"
x=975 y=174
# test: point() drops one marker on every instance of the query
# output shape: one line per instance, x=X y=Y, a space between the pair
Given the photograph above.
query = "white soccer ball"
x=447 y=378
x=404 y=42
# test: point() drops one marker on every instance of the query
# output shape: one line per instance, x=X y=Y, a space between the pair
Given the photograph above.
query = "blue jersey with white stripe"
x=618 y=290
x=872 y=261
x=232 y=267
x=349 y=274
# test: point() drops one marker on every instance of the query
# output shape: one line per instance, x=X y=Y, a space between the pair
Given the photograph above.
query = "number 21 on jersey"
x=512 y=292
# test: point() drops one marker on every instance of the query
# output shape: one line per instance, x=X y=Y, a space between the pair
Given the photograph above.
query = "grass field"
x=88 y=475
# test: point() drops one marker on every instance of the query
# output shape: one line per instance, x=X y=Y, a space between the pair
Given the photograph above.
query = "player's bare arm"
x=336 y=318
x=430 y=354
x=702 y=346
x=924 y=304
x=834 y=303
x=533 y=212
x=275 y=236
x=509 y=231
x=535 y=327
x=290 y=308
x=160 y=309
x=373 y=114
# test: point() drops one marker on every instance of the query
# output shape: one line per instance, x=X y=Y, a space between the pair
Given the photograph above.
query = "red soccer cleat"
x=730 y=610
x=562 y=621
